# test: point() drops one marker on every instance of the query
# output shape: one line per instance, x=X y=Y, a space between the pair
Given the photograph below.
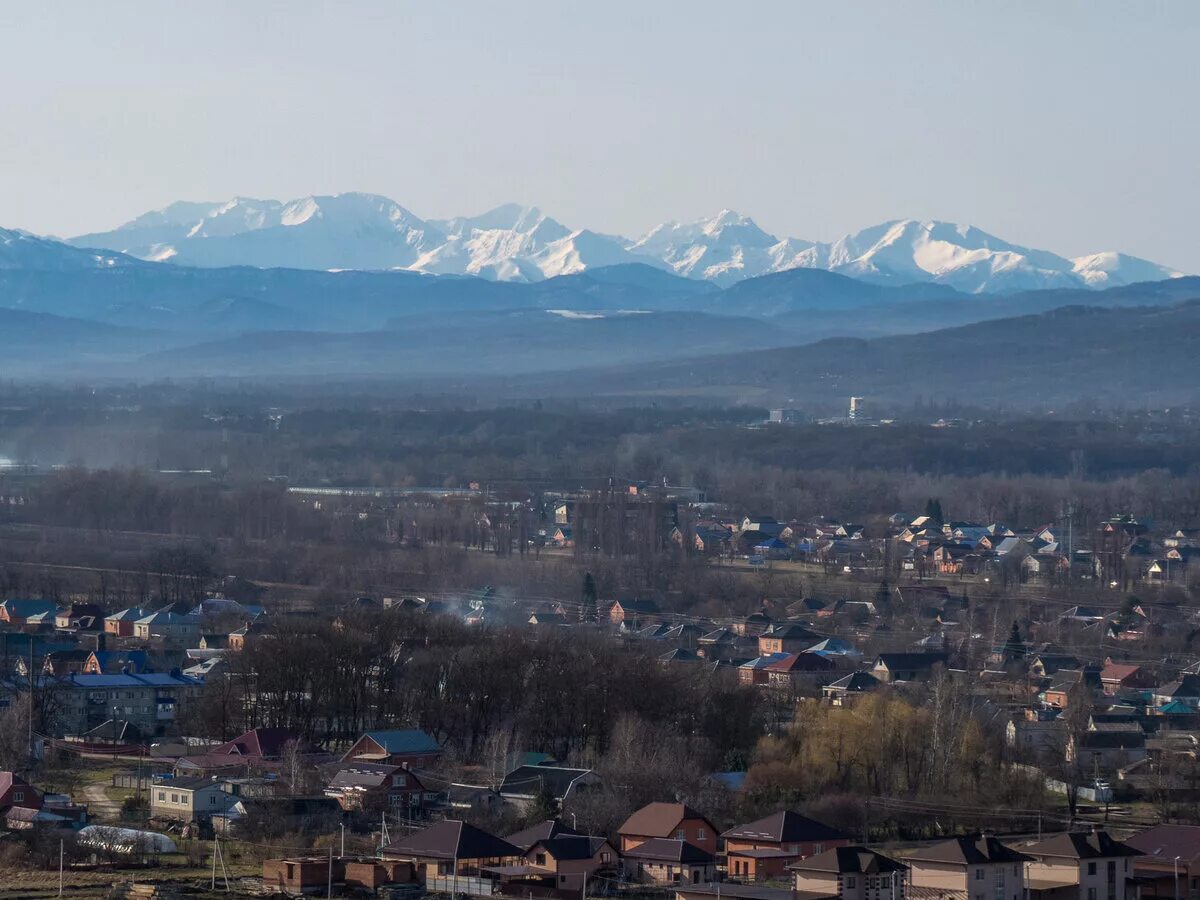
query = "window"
x=1091 y=894
x=1091 y=868
x=979 y=874
x=681 y=835
x=18 y=796
x=540 y=859
x=701 y=834
x=850 y=882
x=162 y=796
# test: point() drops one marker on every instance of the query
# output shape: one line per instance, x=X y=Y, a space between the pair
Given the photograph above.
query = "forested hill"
x=1117 y=356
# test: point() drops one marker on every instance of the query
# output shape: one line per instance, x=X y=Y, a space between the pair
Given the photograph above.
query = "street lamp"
x=1175 y=871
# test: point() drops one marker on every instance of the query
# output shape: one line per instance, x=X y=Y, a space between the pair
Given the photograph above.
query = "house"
x=525 y=784
x=669 y=861
x=116 y=662
x=676 y=821
x=755 y=671
x=973 y=865
x=15 y=791
x=633 y=611
x=18 y=612
x=80 y=617
x=372 y=787
x=452 y=850
x=61 y=662
x=764 y=848
x=571 y=858
x=1107 y=750
x=252 y=748
x=547 y=618
x=1082 y=866
x=752 y=625
x=194 y=799
x=1186 y=691
x=893 y=667
x=409 y=747
x=789 y=638
x=841 y=691
x=797 y=670
x=251 y=631
x=1043 y=665
x=120 y=624
x=542 y=831
x=167 y=626
x=1170 y=862
x=1116 y=677
x=849 y=873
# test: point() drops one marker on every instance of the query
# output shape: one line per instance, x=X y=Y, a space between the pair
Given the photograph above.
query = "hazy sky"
x=1071 y=126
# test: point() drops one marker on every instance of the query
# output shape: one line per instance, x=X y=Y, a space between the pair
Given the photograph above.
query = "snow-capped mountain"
x=521 y=243
x=342 y=231
x=21 y=250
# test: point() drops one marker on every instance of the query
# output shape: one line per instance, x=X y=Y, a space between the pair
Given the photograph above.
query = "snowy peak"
x=1112 y=269
x=515 y=242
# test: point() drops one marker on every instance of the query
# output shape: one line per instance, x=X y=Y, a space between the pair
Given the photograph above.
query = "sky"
x=1069 y=126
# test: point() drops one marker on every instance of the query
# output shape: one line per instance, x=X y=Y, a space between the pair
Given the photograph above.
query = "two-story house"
x=974 y=866
x=1082 y=866
x=786 y=638
x=764 y=848
x=849 y=873
x=120 y=624
x=675 y=821
x=189 y=799
x=373 y=787
x=893 y=667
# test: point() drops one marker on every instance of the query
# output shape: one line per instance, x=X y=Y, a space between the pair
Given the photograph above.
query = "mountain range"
x=514 y=243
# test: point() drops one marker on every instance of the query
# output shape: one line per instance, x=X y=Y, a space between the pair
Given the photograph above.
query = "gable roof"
x=25 y=608
x=405 y=740
x=670 y=850
x=527 y=781
x=892 y=661
x=784 y=826
x=544 y=830
x=260 y=743
x=451 y=839
x=1168 y=841
x=856 y=682
x=849 y=861
x=572 y=846
x=968 y=850
x=1082 y=845
x=659 y=819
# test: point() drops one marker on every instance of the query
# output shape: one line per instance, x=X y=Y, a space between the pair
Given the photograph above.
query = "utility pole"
x=329 y=880
x=60 y=867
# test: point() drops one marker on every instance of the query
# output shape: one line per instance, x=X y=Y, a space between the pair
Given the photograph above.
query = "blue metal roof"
x=407 y=740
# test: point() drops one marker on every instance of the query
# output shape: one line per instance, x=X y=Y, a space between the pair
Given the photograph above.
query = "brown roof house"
x=849 y=873
x=453 y=856
x=974 y=866
x=763 y=849
x=542 y=831
x=400 y=747
x=675 y=821
x=669 y=861
x=1082 y=866
x=1170 y=858
x=571 y=859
